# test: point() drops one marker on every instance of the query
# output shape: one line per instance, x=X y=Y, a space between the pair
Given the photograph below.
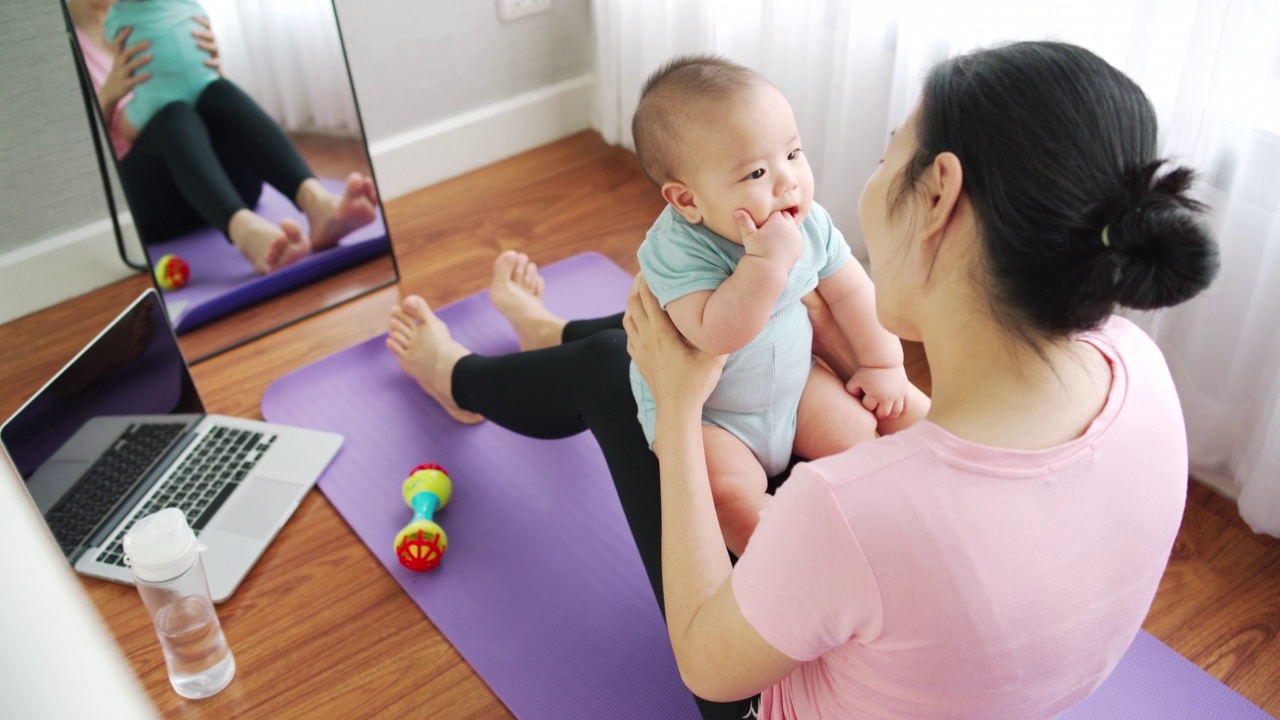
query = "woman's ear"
x=943 y=185
x=680 y=197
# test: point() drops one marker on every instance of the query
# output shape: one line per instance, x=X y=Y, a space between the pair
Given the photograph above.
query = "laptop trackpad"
x=259 y=508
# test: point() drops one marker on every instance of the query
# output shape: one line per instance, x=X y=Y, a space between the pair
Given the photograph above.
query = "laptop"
x=120 y=432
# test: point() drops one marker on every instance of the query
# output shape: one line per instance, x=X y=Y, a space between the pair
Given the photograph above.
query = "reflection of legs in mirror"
x=267 y=246
x=428 y=353
x=333 y=216
x=516 y=291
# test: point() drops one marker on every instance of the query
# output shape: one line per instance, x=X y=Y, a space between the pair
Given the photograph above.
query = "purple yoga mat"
x=542 y=590
x=222 y=281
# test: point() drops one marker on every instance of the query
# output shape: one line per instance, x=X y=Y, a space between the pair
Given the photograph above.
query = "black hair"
x=667 y=106
x=1074 y=211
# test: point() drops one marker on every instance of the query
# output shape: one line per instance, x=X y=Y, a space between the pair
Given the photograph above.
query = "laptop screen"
x=134 y=367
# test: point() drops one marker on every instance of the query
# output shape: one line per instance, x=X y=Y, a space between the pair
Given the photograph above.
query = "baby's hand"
x=777 y=240
x=883 y=391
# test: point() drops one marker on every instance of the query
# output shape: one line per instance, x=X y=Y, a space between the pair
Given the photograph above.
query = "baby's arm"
x=880 y=380
x=723 y=320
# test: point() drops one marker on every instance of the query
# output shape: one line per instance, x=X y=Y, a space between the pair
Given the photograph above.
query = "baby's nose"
x=785 y=182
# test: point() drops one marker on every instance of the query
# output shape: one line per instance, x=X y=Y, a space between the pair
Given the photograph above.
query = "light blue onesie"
x=760 y=388
x=178 y=72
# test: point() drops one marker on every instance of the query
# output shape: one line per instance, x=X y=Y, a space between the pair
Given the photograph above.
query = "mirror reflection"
x=241 y=154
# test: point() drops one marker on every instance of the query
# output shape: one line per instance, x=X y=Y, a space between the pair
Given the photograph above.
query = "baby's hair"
x=1076 y=214
x=669 y=102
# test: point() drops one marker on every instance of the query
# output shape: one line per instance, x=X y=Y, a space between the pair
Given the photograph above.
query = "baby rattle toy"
x=172 y=272
x=421 y=544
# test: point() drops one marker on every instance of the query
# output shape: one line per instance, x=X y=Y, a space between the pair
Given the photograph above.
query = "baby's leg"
x=737 y=485
x=829 y=419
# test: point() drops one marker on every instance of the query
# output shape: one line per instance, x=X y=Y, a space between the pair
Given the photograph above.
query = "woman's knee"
x=604 y=356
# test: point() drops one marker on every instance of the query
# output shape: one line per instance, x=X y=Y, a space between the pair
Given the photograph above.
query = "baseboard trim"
x=54 y=269
x=457 y=145
x=62 y=267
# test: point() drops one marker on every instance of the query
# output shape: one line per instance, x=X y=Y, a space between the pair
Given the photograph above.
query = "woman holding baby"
x=995 y=557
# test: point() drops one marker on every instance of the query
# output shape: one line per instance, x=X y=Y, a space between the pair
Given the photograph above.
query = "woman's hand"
x=124 y=75
x=208 y=43
x=676 y=371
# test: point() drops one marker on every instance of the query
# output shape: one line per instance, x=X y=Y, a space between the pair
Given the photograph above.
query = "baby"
x=178 y=70
x=738 y=246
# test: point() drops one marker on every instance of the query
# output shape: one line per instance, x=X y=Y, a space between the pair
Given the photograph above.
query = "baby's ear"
x=680 y=197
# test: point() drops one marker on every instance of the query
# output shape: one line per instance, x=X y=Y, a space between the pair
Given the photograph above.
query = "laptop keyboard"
x=108 y=479
x=201 y=483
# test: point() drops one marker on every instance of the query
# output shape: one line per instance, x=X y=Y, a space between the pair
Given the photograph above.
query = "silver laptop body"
x=120 y=432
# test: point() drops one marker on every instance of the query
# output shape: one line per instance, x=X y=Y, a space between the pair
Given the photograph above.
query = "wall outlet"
x=514 y=9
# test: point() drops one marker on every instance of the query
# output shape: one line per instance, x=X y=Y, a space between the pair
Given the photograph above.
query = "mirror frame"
x=99 y=129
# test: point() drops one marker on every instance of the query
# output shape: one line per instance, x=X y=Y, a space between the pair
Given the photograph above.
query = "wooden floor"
x=1219 y=603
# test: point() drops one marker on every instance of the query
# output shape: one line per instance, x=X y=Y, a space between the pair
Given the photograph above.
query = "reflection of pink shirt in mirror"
x=99 y=63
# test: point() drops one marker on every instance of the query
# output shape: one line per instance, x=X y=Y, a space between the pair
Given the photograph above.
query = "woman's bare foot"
x=428 y=353
x=332 y=216
x=267 y=246
x=516 y=291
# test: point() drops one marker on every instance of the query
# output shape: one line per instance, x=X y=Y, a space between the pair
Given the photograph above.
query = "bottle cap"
x=160 y=546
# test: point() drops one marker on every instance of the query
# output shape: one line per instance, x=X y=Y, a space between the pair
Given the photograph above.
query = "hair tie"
x=1106 y=237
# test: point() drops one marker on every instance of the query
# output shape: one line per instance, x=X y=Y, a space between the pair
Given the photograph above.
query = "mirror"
x=239 y=147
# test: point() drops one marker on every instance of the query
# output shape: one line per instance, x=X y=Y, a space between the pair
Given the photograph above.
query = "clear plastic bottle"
x=164 y=557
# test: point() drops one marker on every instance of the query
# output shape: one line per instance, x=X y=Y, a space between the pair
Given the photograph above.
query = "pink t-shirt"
x=99 y=62
x=924 y=576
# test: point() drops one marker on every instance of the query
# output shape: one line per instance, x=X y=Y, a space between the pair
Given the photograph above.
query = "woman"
x=204 y=163
x=993 y=560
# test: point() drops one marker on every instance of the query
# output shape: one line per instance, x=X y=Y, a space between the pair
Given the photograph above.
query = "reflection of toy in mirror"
x=172 y=272
x=421 y=544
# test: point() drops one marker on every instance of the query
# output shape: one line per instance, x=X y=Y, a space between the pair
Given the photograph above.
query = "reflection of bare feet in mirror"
x=516 y=291
x=333 y=216
x=428 y=353
x=267 y=246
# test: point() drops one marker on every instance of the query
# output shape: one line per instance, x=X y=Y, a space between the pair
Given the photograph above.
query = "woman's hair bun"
x=1162 y=249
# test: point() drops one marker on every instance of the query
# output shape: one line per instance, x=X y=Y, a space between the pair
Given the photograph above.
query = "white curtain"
x=288 y=56
x=853 y=69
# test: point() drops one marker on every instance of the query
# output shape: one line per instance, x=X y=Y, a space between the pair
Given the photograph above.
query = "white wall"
x=49 y=184
x=443 y=87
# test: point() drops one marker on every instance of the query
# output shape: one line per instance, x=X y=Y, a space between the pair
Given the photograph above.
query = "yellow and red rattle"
x=422 y=543
x=172 y=272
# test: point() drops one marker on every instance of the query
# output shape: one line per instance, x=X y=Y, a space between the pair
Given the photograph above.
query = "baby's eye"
x=756 y=174
x=794 y=154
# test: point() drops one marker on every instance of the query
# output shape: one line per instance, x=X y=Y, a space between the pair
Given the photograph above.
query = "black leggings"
x=582 y=384
x=197 y=165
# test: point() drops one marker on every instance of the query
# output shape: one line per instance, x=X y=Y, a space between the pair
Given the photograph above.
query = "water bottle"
x=164 y=556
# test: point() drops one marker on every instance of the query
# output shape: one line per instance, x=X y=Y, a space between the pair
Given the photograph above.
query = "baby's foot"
x=428 y=353
x=516 y=291
x=334 y=216
x=267 y=246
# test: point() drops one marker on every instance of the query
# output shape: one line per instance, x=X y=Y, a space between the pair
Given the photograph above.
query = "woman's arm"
x=720 y=655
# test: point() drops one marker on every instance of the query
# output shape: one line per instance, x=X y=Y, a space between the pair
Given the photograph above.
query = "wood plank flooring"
x=1218 y=605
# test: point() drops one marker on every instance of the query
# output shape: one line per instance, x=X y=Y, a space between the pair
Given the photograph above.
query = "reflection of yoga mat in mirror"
x=542 y=590
x=222 y=280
